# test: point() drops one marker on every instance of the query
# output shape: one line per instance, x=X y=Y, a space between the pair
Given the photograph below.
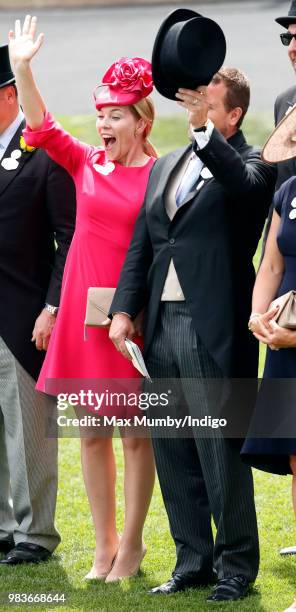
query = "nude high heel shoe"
x=92 y=576
x=112 y=577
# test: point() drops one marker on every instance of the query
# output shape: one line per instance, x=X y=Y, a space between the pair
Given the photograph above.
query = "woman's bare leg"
x=139 y=476
x=99 y=471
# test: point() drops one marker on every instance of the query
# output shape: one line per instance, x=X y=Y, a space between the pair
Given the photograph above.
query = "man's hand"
x=121 y=328
x=196 y=103
x=42 y=330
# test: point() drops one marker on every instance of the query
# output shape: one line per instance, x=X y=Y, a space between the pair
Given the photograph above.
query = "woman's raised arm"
x=23 y=45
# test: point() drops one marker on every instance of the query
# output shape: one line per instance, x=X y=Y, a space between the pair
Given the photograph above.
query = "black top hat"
x=6 y=74
x=188 y=50
x=286 y=21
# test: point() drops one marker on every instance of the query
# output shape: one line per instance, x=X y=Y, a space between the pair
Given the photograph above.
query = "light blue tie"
x=189 y=179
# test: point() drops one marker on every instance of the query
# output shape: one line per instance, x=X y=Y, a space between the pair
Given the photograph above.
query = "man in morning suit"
x=37 y=208
x=190 y=265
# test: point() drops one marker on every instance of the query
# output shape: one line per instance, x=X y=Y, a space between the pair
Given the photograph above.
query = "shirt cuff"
x=121 y=312
x=203 y=138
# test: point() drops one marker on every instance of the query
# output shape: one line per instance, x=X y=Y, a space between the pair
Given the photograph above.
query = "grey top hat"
x=6 y=74
x=188 y=50
x=291 y=18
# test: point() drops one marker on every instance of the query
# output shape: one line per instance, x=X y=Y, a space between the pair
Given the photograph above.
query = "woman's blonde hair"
x=145 y=109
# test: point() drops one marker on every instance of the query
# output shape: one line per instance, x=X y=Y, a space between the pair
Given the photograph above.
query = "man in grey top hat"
x=37 y=209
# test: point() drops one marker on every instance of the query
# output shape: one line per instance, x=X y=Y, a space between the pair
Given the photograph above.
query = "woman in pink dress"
x=110 y=186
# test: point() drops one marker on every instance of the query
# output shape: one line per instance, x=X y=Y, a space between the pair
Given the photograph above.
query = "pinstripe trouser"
x=28 y=459
x=201 y=477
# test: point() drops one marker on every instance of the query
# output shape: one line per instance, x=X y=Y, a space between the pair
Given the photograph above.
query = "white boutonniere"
x=104 y=169
x=11 y=163
x=292 y=214
x=206 y=173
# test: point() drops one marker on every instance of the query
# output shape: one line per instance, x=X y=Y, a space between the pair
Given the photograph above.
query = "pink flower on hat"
x=130 y=75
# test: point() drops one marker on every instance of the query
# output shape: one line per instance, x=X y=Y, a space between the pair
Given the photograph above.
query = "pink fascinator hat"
x=126 y=82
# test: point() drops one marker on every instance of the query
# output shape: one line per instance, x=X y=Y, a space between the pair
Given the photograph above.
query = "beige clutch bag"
x=286 y=316
x=98 y=304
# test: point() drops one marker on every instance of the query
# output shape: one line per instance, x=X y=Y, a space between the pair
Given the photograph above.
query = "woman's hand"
x=22 y=46
x=266 y=330
x=260 y=323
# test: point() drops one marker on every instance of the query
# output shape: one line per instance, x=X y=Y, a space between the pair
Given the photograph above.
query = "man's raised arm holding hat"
x=190 y=265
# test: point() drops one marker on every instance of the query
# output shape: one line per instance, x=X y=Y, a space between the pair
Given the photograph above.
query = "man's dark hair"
x=11 y=85
x=238 y=90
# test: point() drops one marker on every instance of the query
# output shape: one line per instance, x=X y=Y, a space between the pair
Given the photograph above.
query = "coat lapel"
x=174 y=160
x=163 y=178
x=7 y=176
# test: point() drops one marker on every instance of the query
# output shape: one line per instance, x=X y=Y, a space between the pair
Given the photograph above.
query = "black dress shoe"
x=230 y=589
x=24 y=552
x=6 y=545
x=180 y=582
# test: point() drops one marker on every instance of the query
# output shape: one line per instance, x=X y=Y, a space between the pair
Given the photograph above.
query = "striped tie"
x=189 y=178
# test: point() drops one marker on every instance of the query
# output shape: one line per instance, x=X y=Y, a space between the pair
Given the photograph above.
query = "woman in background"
x=275 y=407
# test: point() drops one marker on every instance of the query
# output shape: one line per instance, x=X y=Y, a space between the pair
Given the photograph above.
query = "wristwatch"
x=53 y=310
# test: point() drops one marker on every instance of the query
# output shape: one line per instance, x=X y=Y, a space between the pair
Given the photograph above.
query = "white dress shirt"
x=172 y=289
x=9 y=133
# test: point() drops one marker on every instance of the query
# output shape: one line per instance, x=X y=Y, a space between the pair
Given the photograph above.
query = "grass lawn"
x=276 y=585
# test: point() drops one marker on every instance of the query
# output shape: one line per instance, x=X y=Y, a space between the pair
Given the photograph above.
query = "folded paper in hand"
x=137 y=358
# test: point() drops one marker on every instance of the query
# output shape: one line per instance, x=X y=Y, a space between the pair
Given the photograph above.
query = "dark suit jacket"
x=37 y=208
x=285 y=169
x=212 y=240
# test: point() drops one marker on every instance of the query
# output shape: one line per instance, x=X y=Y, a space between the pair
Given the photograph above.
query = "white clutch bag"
x=98 y=304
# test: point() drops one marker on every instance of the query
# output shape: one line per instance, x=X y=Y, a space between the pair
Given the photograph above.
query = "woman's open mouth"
x=109 y=141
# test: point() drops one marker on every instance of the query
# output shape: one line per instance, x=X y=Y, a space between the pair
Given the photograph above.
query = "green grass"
x=275 y=587
x=274 y=590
